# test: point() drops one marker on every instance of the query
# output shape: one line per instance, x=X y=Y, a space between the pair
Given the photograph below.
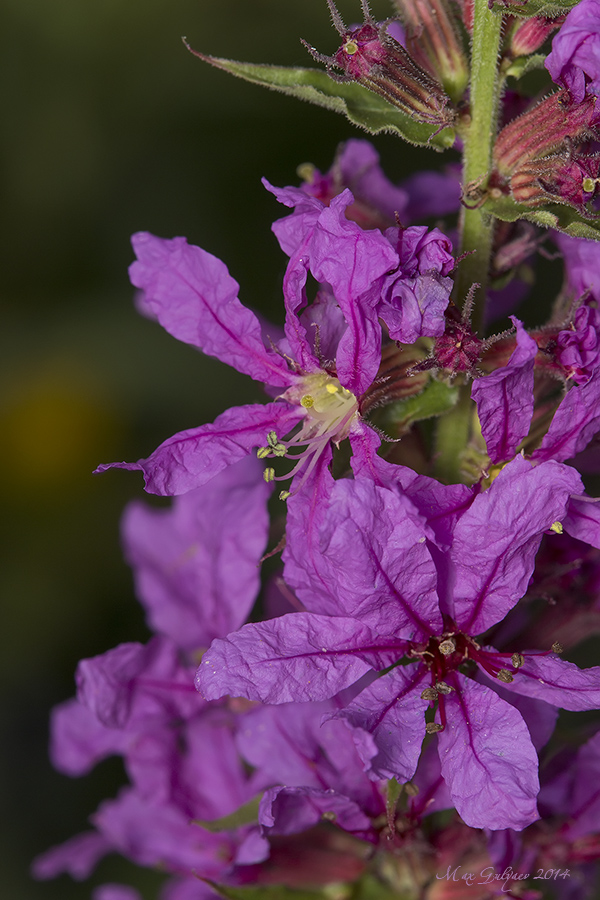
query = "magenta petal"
x=191 y=458
x=115 y=892
x=391 y=713
x=558 y=682
x=575 y=423
x=496 y=539
x=78 y=740
x=299 y=656
x=488 y=760
x=288 y=810
x=505 y=399
x=372 y=561
x=183 y=557
x=195 y=299
x=77 y=856
x=583 y=520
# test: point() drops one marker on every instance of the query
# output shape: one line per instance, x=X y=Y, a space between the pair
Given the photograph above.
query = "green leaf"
x=552 y=215
x=436 y=399
x=524 y=64
x=245 y=815
x=548 y=8
x=361 y=106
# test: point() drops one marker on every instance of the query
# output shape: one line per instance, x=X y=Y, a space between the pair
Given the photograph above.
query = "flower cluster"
x=382 y=709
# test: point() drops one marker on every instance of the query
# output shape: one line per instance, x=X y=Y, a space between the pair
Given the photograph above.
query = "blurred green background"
x=110 y=126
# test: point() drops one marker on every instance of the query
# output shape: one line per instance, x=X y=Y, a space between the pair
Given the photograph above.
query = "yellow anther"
x=269 y=474
x=263 y=452
x=351 y=47
x=283 y=495
x=331 y=388
x=307 y=401
x=556 y=527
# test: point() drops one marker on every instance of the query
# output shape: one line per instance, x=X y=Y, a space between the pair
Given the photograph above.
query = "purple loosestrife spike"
x=370 y=56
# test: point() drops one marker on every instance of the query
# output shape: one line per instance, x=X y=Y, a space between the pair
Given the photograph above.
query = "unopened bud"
x=432 y=40
x=530 y=34
x=370 y=56
x=561 y=178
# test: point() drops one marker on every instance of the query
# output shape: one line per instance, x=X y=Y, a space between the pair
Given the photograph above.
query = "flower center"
x=330 y=410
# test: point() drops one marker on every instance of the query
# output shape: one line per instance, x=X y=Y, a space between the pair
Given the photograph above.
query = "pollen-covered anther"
x=307 y=401
x=517 y=659
x=443 y=688
x=430 y=693
x=447 y=646
x=269 y=474
x=433 y=728
x=505 y=676
x=556 y=527
x=557 y=648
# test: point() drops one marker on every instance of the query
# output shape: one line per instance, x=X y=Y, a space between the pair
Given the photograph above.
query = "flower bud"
x=560 y=178
x=543 y=129
x=530 y=34
x=433 y=42
x=370 y=56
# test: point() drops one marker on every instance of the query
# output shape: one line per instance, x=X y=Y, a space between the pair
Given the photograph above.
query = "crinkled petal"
x=496 y=539
x=558 y=682
x=574 y=61
x=292 y=230
x=135 y=683
x=195 y=299
x=372 y=561
x=391 y=713
x=575 y=423
x=299 y=656
x=487 y=759
x=196 y=565
x=414 y=307
x=191 y=458
x=583 y=520
x=505 y=399
x=441 y=505
x=288 y=810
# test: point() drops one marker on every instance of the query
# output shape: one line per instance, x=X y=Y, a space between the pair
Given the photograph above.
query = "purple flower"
x=578 y=347
x=195 y=299
x=183 y=558
x=377 y=590
x=582 y=265
x=574 y=61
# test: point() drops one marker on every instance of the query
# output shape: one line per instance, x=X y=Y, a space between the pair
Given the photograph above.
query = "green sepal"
x=552 y=215
x=435 y=399
x=524 y=64
x=246 y=814
x=550 y=9
x=392 y=796
x=359 y=105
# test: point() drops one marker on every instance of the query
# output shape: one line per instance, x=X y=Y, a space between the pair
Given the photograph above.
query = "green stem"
x=476 y=227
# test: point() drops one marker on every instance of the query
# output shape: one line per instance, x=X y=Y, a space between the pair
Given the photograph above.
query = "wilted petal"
x=487 y=759
x=414 y=307
x=391 y=713
x=505 y=399
x=195 y=299
x=299 y=656
x=496 y=539
x=196 y=565
x=191 y=458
